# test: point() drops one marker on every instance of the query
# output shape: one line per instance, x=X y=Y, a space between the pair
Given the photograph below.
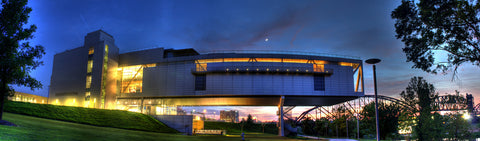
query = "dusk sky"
x=362 y=29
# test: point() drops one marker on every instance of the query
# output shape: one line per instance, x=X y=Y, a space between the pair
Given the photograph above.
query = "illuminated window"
x=346 y=64
x=200 y=82
x=318 y=68
x=236 y=59
x=90 y=51
x=286 y=60
x=320 y=62
x=89 y=81
x=132 y=78
x=89 y=66
x=319 y=82
x=202 y=67
x=277 y=60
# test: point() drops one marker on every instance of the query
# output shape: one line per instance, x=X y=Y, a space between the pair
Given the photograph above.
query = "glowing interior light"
x=247 y=69
x=237 y=69
x=257 y=69
x=268 y=69
x=466 y=116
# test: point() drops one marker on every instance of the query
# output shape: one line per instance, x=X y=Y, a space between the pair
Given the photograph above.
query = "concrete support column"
x=141 y=105
x=281 y=124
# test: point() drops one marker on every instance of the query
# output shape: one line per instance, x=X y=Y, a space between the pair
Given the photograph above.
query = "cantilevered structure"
x=156 y=81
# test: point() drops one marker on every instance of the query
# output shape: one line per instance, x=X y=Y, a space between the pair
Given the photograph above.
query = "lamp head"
x=372 y=61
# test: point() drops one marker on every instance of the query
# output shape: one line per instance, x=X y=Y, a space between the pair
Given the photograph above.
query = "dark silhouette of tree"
x=449 y=26
x=249 y=119
x=18 y=58
x=308 y=126
x=321 y=126
x=421 y=94
x=388 y=115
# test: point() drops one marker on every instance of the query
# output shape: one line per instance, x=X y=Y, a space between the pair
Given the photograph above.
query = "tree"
x=388 y=119
x=18 y=58
x=420 y=95
x=308 y=126
x=457 y=127
x=428 y=26
x=249 y=119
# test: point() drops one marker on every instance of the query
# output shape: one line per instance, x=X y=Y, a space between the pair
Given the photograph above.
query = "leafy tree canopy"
x=428 y=26
x=18 y=58
x=420 y=95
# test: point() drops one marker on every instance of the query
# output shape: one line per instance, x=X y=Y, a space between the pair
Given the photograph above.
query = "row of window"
x=201 y=82
x=89 y=76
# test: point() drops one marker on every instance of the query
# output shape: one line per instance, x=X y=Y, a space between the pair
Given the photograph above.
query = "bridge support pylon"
x=281 y=123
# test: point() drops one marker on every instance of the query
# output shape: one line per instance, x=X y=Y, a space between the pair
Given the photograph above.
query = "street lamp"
x=374 y=61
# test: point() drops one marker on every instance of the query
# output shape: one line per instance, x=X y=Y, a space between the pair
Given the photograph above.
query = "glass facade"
x=132 y=78
x=104 y=77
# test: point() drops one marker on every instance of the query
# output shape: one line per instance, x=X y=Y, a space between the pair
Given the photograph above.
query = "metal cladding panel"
x=69 y=74
x=259 y=84
x=169 y=79
x=142 y=57
x=340 y=82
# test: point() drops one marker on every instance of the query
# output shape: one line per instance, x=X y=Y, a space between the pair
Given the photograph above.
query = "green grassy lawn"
x=91 y=116
x=33 y=128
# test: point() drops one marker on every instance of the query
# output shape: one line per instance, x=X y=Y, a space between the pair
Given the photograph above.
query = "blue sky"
x=355 y=28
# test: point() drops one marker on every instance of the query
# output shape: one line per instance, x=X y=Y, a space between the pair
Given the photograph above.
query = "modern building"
x=229 y=116
x=24 y=97
x=157 y=81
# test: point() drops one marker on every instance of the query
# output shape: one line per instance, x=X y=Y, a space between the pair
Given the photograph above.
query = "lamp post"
x=374 y=61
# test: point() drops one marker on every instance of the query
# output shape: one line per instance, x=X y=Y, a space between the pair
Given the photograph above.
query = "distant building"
x=24 y=97
x=229 y=115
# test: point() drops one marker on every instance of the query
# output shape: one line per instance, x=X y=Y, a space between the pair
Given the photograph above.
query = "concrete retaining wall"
x=181 y=123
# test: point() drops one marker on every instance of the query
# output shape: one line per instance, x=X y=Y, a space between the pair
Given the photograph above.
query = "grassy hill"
x=40 y=129
x=97 y=117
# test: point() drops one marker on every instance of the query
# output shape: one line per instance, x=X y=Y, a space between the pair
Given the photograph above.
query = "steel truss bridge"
x=353 y=107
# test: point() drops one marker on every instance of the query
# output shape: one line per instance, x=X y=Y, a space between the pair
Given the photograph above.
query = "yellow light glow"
x=287 y=60
x=275 y=60
x=320 y=62
x=56 y=101
x=90 y=51
x=318 y=68
x=347 y=64
x=94 y=100
x=89 y=81
x=236 y=59
x=74 y=101
x=132 y=78
x=466 y=116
